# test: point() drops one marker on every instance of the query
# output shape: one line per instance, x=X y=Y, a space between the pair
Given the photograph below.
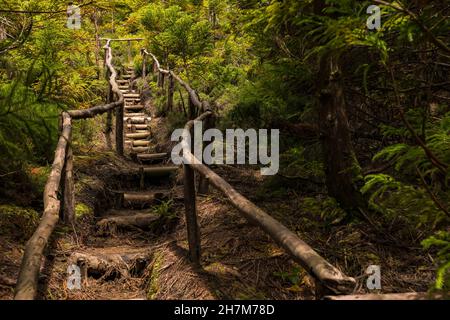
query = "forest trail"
x=113 y=252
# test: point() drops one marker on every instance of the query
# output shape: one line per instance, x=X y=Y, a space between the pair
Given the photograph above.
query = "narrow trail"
x=114 y=251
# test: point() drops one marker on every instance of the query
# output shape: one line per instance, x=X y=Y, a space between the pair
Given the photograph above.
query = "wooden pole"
x=193 y=230
x=119 y=130
x=130 y=58
x=170 y=92
x=109 y=99
x=191 y=108
x=27 y=283
x=69 y=190
x=203 y=183
x=144 y=65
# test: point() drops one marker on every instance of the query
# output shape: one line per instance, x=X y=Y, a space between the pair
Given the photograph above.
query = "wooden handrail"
x=193 y=96
x=329 y=278
x=326 y=274
x=27 y=283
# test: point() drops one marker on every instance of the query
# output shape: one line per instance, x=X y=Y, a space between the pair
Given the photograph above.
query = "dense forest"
x=364 y=151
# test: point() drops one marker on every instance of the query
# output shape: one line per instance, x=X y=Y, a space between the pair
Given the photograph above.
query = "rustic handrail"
x=27 y=283
x=327 y=275
x=328 y=278
x=193 y=96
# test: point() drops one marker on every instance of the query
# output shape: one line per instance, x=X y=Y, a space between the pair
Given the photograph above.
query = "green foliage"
x=326 y=209
x=396 y=200
x=165 y=209
x=441 y=241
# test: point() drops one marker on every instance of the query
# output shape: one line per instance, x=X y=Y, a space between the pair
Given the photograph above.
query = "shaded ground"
x=239 y=261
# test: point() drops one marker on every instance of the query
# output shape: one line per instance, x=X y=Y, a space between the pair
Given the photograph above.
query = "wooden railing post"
x=203 y=183
x=170 y=92
x=109 y=99
x=69 y=189
x=119 y=130
x=191 y=108
x=193 y=231
x=144 y=64
x=130 y=58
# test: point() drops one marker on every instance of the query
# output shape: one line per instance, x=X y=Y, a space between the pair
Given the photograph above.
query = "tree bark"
x=343 y=173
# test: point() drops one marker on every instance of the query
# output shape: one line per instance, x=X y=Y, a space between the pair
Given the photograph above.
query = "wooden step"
x=143 y=221
x=134 y=127
x=152 y=157
x=141 y=143
x=123 y=82
x=146 y=197
x=152 y=171
x=126 y=77
x=132 y=96
x=134 y=115
x=138 y=136
x=136 y=120
x=137 y=150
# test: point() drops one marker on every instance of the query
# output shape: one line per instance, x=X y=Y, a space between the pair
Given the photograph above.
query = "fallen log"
x=27 y=282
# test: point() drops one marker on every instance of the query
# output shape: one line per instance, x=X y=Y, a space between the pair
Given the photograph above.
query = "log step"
x=142 y=221
x=133 y=120
x=123 y=82
x=113 y=265
x=138 y=136
x=132 y=96
x=141 y=143
x=146 y=197
x=158 y=171
x=134 y=114
x=137 y=150
x=152 y=157
x=126 y=76
x=135 y=127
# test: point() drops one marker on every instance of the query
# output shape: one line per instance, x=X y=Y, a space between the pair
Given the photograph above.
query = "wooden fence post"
x=119 y=130
x=69 y=190
x=144 y=64
x=203 y=183
x=109 y=99
x=191 y=108
x=170 y=92
x=130 y=58
x=193 y=231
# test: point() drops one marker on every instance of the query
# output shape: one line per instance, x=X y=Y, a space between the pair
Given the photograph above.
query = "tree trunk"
x=343 y=173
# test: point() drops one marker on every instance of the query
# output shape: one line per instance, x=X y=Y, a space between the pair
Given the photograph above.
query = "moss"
x=153 y=286
x=82 y=210
x=17 y=221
